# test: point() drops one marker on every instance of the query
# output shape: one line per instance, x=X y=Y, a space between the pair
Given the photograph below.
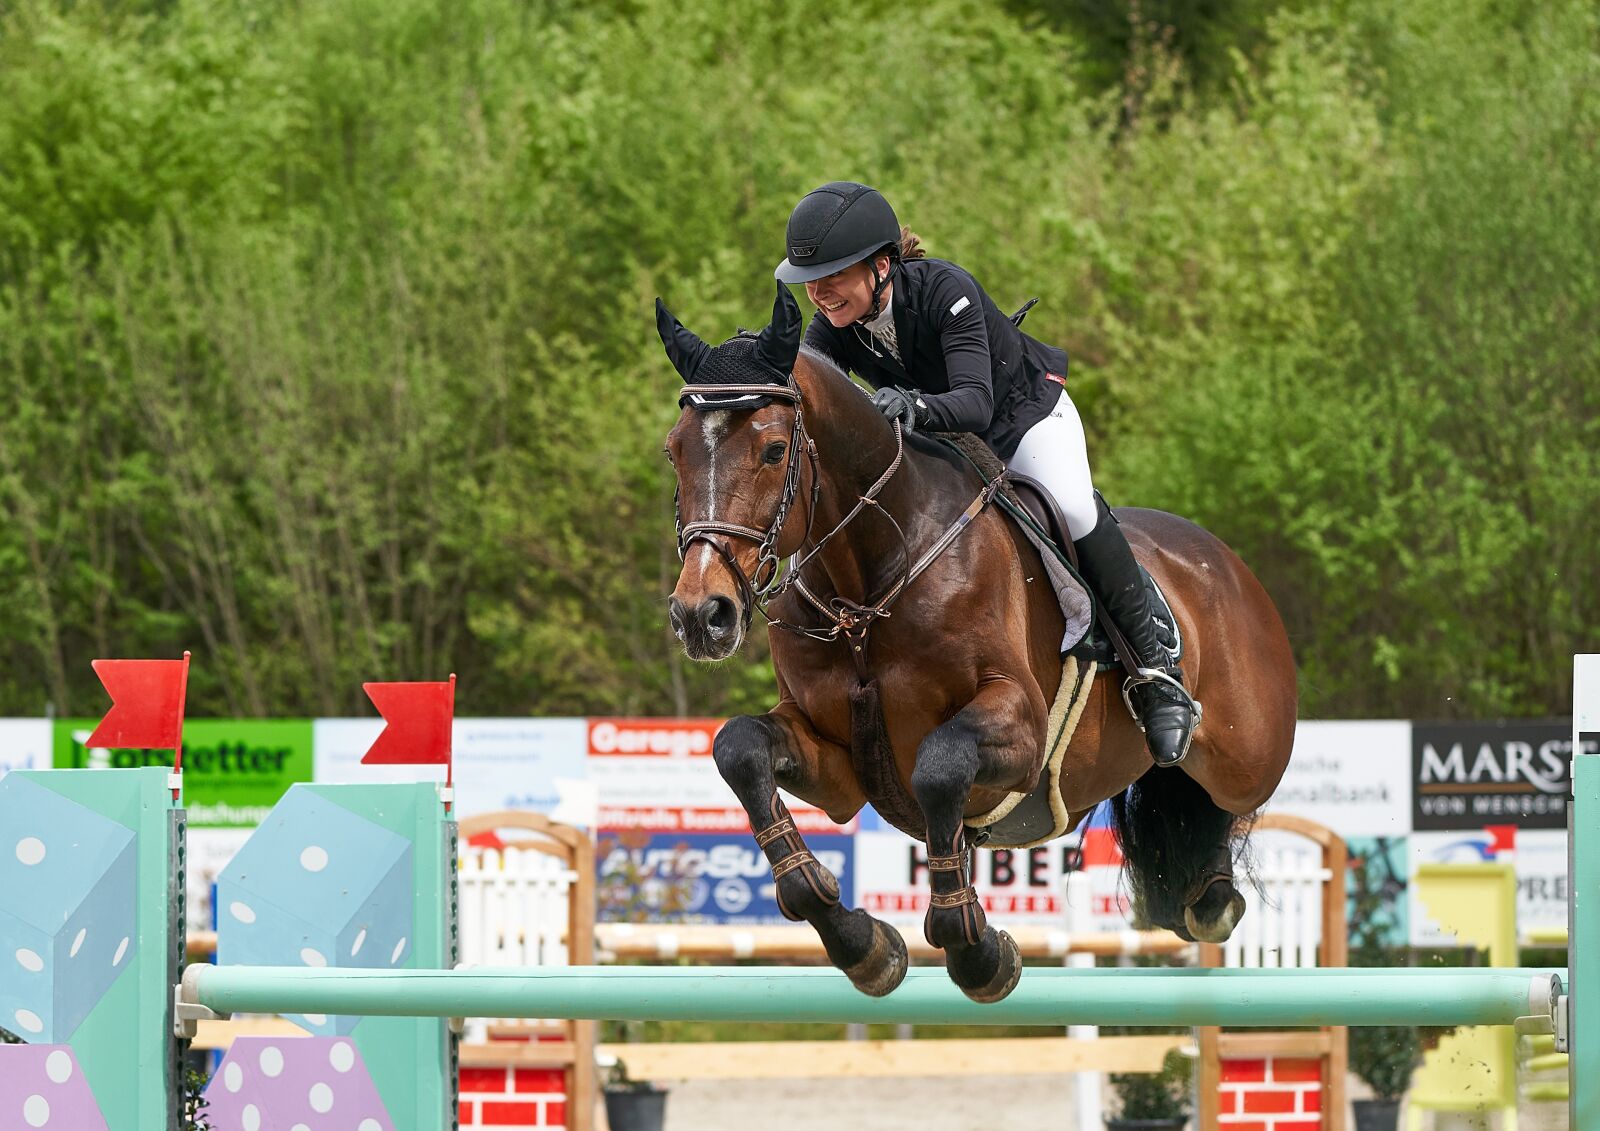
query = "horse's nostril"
x=677 y=616
x=719 y=616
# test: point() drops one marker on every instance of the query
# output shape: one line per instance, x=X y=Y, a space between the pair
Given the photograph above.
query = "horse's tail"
x=1172 y=836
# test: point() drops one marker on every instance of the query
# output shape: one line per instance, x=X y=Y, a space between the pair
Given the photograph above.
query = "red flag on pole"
x=146 y=707
x=146 y=703
x=419 y=717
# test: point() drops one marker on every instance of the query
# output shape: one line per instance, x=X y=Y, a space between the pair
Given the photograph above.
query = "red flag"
x=146 y=703
x=419 y=716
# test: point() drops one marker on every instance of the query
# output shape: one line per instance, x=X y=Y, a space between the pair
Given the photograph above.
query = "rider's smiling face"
x=846 y=296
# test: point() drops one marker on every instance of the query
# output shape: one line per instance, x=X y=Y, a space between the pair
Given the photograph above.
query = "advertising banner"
x=1352 y=776
x=499 y=763
x=24 y=745
x=701 y=877
x=1538 y=855
x=1015 y=886
x=234 y=770
x=1468 y=775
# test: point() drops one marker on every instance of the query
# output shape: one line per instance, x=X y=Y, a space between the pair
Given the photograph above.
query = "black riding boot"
x=1165 y=711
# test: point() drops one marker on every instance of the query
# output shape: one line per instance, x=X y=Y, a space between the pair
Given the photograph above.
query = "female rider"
x=942 y=356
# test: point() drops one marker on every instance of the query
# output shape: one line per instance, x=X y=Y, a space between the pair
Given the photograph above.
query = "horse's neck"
x=854 y=448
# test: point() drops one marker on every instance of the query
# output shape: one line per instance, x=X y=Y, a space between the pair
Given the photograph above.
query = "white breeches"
x=1053 y=452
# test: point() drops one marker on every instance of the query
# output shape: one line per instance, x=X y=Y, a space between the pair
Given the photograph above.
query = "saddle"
x=1103 y=645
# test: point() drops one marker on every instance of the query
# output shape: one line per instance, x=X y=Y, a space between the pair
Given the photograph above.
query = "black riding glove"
x=904 y=405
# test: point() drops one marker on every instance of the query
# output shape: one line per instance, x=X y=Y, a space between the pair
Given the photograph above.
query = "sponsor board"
x=499 y=763
x=658 y=775
x=699 y=877
x=1352 y=776
x=25 y=745
x=234 y=770
x=1468 y=775
x=1015 y=886
x=1539 y=857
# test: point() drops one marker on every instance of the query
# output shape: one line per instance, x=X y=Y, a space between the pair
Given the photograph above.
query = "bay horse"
x=924 y=688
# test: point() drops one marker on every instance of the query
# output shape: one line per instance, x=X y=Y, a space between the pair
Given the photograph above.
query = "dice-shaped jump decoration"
x=317 y=886
x=68 y=896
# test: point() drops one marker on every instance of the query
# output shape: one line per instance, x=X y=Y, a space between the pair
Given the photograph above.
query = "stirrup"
x=1145 y=676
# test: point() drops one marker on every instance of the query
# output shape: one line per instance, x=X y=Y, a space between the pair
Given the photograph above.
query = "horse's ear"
x=779 y=343
x=686 y=351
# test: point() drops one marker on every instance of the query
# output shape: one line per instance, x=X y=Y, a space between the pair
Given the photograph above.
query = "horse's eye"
x=773 y=452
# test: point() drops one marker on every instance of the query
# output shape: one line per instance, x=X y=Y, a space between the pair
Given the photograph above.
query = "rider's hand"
x=904 y=405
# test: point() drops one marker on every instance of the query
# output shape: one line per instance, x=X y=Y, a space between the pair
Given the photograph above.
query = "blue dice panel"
x=316 y=886
x=68 y=894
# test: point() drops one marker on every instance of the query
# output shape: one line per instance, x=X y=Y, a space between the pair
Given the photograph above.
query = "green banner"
x=234 y=770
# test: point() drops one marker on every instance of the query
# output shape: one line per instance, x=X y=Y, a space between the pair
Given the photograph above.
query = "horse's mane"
x=975 y=451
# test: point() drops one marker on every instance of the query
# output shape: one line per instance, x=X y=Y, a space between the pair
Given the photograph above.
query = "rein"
x=848 y=618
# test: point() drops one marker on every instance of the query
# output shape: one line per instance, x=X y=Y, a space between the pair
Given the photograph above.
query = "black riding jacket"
x=979 y=372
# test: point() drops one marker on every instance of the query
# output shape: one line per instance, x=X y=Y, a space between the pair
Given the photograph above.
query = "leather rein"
x=846 y=618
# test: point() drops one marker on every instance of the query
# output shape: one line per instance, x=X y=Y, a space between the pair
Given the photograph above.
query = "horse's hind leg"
x=983 y=744
x=871 y=953
x=1178 y=844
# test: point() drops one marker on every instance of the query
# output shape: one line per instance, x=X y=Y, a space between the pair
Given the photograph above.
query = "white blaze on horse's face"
x=726 y=474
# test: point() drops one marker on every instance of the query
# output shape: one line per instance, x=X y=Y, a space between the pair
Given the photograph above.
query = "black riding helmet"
x=834 y=226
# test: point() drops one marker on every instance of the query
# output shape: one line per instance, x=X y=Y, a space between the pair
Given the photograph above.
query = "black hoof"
x=987 y=981
x=884 y=967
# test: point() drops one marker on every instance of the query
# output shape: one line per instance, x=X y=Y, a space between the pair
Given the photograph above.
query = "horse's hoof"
x=1006 y=975
x=884 y=967
x=1218 y=927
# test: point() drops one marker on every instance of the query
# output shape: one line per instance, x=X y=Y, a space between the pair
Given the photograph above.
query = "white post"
x=1087 y=1100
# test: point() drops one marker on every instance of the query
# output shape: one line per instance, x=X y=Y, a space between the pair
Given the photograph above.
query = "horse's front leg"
x=991 y=742
x=872 y=954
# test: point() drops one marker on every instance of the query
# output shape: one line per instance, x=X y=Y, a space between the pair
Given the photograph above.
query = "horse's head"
x=741 y=456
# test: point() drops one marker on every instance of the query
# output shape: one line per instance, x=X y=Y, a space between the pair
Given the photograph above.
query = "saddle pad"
x=1076 y=608
x=1024 y=820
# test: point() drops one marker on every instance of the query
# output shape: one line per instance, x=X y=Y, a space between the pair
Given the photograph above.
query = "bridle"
x=845 y=617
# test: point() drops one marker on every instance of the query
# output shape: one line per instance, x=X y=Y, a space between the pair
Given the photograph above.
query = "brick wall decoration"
x=514 y=1099
x=1274 y=1094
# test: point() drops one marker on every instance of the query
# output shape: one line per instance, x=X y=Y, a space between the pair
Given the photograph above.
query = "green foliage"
x=1384 y=1056
x=326 y=348
x=1166 y=1094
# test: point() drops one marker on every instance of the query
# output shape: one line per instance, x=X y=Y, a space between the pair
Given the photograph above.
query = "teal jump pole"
x=1578 y=1030
x=1055 y=997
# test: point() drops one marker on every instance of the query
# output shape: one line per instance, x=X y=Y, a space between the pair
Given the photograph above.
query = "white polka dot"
x=29 y=1021
x=122 y=950
x=77 y=943
x=321 y=1098
x=312 y=957
x=314 y=859
x=361 y=938
x=299 y=1127
x=36 y=1111
x=370 y=1125
x=30 y=850
x=250 y=1118
x=315 y=1018
x=233 y=1076
x=58 y=1066
x=399 y=949
x=29 y=961
x=242 y=912
x=272 y=1060
x=342 y=1056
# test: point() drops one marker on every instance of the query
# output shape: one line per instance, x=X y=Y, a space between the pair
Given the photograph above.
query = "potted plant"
x=1153 y=1101
x=1382 y=1056
x=632 y=1105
